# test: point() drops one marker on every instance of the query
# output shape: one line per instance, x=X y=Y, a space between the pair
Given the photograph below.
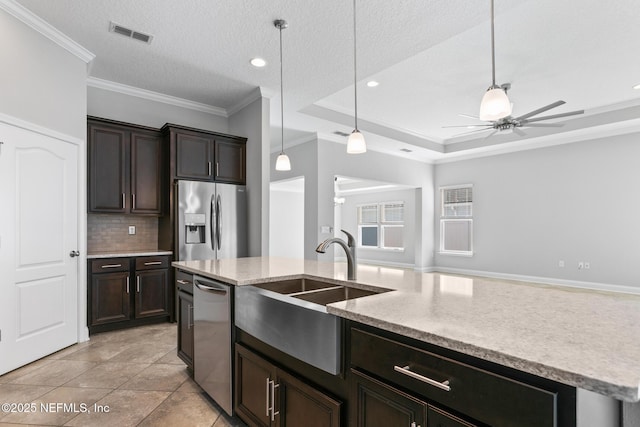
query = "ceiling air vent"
x=340 y=133
x=119 y=29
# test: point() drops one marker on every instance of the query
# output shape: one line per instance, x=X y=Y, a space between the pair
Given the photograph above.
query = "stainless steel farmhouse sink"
x=291 y=316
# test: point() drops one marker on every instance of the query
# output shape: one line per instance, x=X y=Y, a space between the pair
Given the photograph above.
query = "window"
x=381 y=225
x=456 y=220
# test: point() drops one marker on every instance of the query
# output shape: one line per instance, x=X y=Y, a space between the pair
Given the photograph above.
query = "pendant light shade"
x=282 y=162
x=495 y=104
x=355 y=143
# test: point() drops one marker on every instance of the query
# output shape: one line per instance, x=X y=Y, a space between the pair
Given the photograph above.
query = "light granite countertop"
x=584 y=338
x=123 y=254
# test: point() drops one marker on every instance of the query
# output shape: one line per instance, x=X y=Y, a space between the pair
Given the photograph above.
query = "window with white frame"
x=381 y=225
x=456 y=220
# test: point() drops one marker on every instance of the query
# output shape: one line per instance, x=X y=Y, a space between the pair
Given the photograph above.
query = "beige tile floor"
x=135 y=373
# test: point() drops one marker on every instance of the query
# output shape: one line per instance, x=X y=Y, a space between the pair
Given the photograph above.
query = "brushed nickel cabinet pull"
x=133 y=201
x=274 y=386
x=127 y=284
x=217 y=168
x=138 y=284
x=183 y=282
x=209 y=166
x=111 y=266
x=267 y=395
x=406 y=370
x=124 y=201
x=155 y=263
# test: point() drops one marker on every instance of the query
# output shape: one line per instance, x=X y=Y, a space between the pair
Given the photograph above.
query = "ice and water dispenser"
x=195 y=228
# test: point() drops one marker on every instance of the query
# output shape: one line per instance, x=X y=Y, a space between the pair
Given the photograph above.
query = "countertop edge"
x=116 y=254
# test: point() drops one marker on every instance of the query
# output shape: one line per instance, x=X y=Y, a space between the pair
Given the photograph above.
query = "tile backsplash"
x=111 y=233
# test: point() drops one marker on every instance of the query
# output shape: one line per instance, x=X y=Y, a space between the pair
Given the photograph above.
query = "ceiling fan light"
x=495 y=105
x=283 y=163
x=355 y=143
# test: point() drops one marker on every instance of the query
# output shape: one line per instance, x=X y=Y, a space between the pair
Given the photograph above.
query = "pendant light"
x=355 y=143
x=282 y=162
x=495 y=104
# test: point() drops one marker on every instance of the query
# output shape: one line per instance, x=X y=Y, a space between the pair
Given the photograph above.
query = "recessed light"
x=372 y=83
x=258 y=62
x=637 y=86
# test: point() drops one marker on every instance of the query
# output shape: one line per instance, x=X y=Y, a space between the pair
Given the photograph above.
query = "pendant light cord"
x=355 y=67
x=493 y=50
x=281 y=96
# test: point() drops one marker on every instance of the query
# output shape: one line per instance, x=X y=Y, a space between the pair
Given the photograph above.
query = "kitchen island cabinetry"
x=266 y=396
x=125 y=167
x=128 y=291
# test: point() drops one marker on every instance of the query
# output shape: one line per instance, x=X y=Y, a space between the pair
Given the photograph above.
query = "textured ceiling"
x=432 y=60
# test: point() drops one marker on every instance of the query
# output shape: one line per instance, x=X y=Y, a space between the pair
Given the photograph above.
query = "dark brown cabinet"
x=125 y=168
x=184 y=312
x=206 y=156
x=127 y=292
x=266 y=395
x=453 y=393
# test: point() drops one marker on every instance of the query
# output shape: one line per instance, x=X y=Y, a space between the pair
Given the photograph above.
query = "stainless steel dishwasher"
x=212 y=358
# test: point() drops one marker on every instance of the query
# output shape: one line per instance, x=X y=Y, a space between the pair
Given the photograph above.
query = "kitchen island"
x=582 y=338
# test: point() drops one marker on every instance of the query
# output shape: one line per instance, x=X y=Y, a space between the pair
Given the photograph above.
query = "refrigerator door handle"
x=212 y=222
x=219 y=222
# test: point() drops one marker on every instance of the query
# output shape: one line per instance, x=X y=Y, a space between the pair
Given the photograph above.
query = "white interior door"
x=38 y=231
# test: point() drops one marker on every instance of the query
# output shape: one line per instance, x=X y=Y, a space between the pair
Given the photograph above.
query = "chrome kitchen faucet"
x=349 y=248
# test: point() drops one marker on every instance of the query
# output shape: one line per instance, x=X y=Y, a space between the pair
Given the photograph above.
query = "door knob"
x=74 y=254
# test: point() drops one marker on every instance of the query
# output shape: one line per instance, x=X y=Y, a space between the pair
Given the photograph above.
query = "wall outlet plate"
x=132 y=229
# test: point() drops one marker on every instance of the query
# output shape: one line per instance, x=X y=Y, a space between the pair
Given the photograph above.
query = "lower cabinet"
x=394 y=383
x=377 y=404
x=128 y=291
x=266 y=395
x=184 y=314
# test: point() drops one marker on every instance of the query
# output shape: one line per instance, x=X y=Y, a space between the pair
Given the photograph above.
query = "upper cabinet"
x=125 y=168
x=206 y=156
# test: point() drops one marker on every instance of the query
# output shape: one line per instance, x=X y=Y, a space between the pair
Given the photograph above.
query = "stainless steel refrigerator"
x=212 y=224
x=212 y=221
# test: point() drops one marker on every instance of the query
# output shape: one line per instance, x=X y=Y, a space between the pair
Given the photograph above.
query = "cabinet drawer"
x=184 y=282
x=152 y=262
x=479 y=394
x=109 y=265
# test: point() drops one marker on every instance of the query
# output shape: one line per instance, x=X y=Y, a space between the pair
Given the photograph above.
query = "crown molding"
x=38 y=24
x=155 y=96
x=254 y=95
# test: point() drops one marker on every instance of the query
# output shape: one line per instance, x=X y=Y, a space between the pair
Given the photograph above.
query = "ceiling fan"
x=495 y=108
x=513 y=123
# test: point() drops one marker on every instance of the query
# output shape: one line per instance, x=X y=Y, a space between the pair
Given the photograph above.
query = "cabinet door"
x=107 y=169
x=152 y=293
x=376 y=404
x=439 y=418
x=146 y=173
x=299 y=404
x=185 y=328
x=110 y=299
x=194 y=157
x=230 y=160
x=252 y=378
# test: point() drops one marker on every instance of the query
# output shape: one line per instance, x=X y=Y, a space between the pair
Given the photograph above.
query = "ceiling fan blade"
x=490 y=135
x=518 y=132
x=468 y=126
x=473 y=131
x=554 y=116
x=540 y=110
x=469 y=116
x=542 y=125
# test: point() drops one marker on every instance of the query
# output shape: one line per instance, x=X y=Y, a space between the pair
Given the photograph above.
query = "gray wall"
x=349 y=221
x=319 y=161
x=286 y=227
x=252 y=122
x=573 y=202
x=133 y=109
x=41 y=82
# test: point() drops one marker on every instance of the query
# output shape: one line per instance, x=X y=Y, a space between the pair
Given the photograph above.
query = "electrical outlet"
x=132 y=229
x=587 y=266
x=561 y=263
x=580 y=265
